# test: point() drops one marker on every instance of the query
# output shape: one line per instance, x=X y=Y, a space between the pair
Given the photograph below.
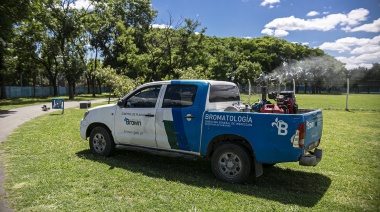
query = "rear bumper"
x=311 y=159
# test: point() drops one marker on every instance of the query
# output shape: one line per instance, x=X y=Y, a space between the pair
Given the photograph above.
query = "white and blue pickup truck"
x=202 y=118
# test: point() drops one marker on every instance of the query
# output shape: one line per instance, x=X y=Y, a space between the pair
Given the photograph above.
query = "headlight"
x=85 y=114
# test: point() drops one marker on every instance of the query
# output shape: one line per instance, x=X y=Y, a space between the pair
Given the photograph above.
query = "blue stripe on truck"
x=180 y=129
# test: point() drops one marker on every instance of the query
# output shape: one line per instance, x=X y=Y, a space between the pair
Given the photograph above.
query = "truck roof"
x=211 y=82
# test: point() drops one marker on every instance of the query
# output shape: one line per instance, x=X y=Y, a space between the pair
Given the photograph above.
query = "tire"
x=101 y=143
x=231 y=163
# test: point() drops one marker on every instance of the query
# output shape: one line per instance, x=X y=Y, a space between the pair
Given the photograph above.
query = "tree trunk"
x=93 y=85
x=55 y=89
x=88 y=85
x=71 y=89
x=2 y=76
x=304 y=91
x=74 y=88
x=3 y=91
x=100 y=86
x=34 y=86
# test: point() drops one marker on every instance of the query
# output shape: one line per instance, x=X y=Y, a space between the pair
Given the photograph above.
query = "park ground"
x=48 y=167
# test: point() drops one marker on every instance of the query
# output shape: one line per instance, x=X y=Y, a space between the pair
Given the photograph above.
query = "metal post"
x=348 y=91
x=249 y=92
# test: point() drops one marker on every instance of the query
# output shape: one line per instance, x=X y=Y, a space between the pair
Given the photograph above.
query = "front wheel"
x=101 y=142
x=231 y=163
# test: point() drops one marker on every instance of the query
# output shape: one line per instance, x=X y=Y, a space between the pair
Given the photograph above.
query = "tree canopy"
x=54 y=43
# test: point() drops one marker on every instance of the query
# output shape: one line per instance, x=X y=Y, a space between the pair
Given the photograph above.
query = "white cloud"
x=372 y=27
x=334 y=47
x=364 y=51
x=79 y=4
x=270 y=2
x=347 y=44
x=326 y=23
x=349 y=65
x=277 y=32
x=312 y=13
x=364 y=60
x=302 y=43
x=267 y=31
x=356 y=16
x=161 y=26
x=280 y=33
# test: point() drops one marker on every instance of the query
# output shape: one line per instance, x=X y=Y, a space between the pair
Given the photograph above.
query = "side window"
x=179 y=96
x=144 y=98
x=224 y=93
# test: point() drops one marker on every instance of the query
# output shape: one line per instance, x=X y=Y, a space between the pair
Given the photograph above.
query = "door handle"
x=149 y=115
x=189 y=116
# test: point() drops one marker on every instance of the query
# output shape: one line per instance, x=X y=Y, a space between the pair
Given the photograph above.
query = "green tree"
x=189 y=44
x=66 y=27
x=11 y=13
x=247 y=71
x=371 y=78
x=191 y=73
x=119 y=84
x=96 y=28
x=125 y=23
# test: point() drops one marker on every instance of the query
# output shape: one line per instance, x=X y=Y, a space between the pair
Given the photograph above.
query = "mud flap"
x=258 y=168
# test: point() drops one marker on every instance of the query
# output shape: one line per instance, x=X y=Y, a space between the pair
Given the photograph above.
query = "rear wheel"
x=101 y=142
x=231 y=163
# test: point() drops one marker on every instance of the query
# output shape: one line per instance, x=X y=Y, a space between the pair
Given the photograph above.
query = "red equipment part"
x=291 y=106
x=271 y=108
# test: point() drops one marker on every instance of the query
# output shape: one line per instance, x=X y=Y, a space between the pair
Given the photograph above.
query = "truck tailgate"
x=313 y=125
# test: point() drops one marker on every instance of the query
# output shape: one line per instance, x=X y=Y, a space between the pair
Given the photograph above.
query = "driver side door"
x=135 y=118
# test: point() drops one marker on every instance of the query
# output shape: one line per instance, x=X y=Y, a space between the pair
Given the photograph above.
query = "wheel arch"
x=97 y=124
x=228 y=138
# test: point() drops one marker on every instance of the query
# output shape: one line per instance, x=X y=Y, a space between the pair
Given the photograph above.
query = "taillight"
x=301 y=129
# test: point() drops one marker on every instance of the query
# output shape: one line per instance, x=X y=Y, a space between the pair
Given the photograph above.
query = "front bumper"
x=311 y=159
x=83 y=129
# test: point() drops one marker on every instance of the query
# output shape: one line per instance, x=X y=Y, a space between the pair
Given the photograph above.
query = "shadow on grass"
x=281 y=185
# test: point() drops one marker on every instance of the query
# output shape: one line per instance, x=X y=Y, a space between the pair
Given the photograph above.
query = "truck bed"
x=273 y=137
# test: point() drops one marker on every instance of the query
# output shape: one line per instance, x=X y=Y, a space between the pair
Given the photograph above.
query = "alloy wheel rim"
x=99 y=142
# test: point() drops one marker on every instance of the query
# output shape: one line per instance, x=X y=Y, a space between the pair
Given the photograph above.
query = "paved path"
x=10 y=120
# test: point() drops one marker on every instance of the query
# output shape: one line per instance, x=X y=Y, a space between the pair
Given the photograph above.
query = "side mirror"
x=120 y=103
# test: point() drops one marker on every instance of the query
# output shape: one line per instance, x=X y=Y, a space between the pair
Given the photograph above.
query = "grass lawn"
x=50 y=168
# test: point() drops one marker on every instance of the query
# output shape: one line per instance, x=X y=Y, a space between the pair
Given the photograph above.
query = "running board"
x=158 y=152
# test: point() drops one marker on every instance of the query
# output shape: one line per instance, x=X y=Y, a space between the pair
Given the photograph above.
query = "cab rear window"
x=224 y=93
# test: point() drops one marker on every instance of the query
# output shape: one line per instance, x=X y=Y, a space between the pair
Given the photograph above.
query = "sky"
x=348 y=30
